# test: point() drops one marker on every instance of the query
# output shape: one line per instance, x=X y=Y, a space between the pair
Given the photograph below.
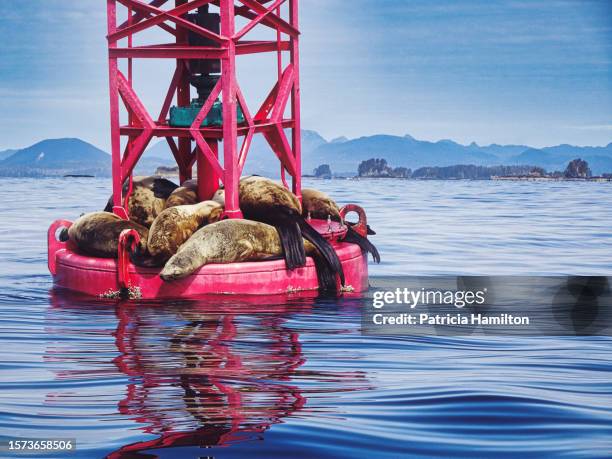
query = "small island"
x=577 y=169
x=167 y=171
x=323 y=171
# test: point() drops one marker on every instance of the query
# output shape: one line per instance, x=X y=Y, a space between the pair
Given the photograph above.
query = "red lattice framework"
x=269 y=119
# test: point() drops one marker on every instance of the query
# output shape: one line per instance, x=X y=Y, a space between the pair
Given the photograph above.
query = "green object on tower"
x=185 y=116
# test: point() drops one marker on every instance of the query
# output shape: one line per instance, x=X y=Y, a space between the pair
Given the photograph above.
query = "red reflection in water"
x=209 y=372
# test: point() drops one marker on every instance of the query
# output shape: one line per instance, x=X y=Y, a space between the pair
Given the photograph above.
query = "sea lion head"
x=172 y=272
x=319 y=205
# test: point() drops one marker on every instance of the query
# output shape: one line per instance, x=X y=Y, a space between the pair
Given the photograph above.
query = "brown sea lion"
x=317 y=204
x=175 y=225
x=148 y=198
x=226 y=241
x=264 y=200
x=97 y=233
x=186 y=194
x=230 y=241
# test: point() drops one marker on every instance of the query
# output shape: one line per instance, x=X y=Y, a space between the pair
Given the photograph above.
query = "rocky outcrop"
x=167 y=171
x=577 y=168
x=378 y=167
x=323 y=171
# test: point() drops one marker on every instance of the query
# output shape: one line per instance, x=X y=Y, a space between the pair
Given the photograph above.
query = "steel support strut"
x=228 y=79
x=295 y=102
x=113 y=70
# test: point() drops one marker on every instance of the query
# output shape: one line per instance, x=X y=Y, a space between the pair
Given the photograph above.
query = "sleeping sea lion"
x=147 y=200
x=317 y=204
x=186 y=194
x=264 y=200
x=97 y=233
x=176 y=224
x=230 y=241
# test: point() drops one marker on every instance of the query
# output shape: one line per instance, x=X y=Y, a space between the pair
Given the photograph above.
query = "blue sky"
x=530 y=72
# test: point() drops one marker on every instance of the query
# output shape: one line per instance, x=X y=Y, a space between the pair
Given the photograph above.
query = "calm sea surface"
x=295 y=378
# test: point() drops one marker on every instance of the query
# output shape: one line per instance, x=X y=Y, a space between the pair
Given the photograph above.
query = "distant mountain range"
x=345 y=156
x=55 y=157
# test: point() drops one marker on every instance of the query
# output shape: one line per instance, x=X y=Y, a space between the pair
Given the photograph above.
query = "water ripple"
x=295 y=377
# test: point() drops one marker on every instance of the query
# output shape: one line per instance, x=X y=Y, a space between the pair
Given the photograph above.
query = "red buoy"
x=204 y=46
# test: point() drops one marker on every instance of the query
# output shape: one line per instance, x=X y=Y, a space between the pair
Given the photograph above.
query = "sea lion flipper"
x=141 y=258
x=64 y=235
x=162 y=188
x=292 y=243
x=325 y=276
x=323 y=246
x=363 y=242
x=246 y=250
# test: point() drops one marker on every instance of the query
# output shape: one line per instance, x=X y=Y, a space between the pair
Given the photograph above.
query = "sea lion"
x=186 y=194
x=317 y=204
x=147 y=200
x=226 y=241
x=175 y=225
x=264 y=200
x=230 y=241
x=97 y=233
x=219 y=196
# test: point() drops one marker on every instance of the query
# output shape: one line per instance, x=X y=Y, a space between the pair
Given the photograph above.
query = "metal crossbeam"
x=159 y=16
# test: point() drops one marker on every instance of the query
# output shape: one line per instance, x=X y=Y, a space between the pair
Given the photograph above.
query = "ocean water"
x=278 y=377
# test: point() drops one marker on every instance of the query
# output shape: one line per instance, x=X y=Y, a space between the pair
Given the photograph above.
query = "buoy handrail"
x=54 y=244
x=361 y=226
x=128 y=240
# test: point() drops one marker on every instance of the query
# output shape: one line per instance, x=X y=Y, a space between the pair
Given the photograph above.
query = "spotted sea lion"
x=175 y=225
x=230 y=241
x=97 y=233
x=317 y=204
x=226 y=241
x=186 y=194
x=264 y=200
x=147 y=200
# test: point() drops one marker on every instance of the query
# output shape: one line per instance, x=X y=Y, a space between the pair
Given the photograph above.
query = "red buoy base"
x=99 y=276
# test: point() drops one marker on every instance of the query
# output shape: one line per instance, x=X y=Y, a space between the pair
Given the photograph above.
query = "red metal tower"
x=195 y=143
